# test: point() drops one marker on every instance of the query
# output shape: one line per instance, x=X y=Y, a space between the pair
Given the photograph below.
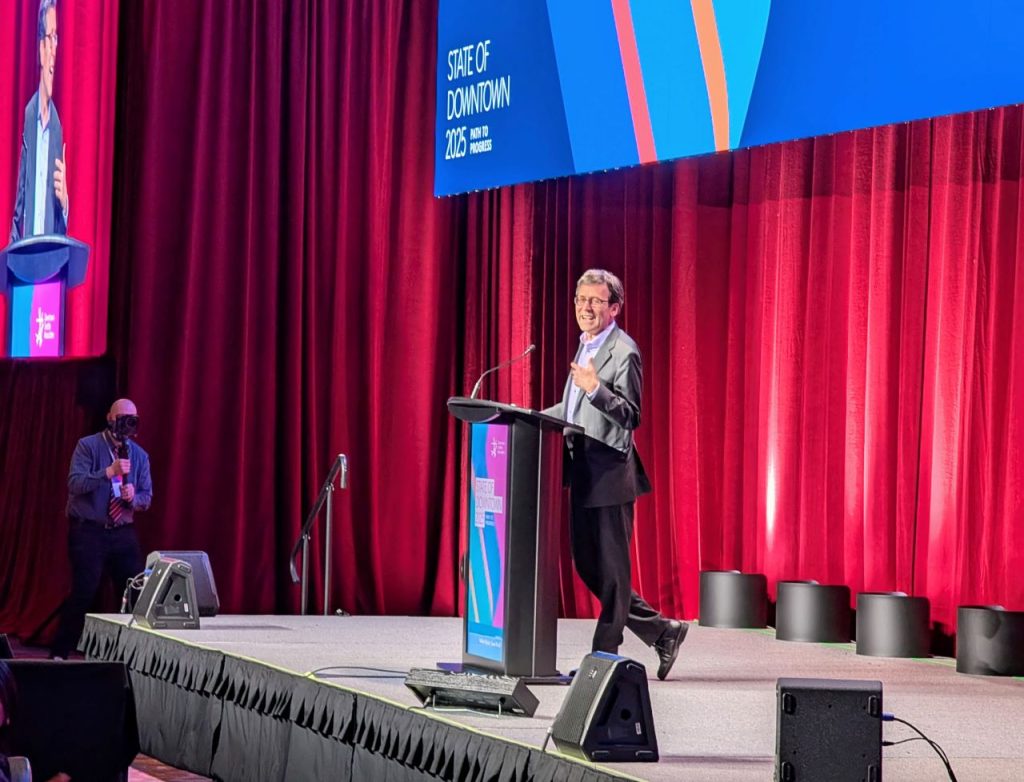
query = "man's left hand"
x=60 y=179
x=127 y=492
x=585 y=377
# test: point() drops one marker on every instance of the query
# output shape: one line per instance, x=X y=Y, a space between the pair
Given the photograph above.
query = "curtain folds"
x=47 y=404
x=834 y=380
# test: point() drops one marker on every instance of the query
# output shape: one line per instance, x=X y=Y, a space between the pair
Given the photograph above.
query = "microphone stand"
x=325 y=497
x=502 y=365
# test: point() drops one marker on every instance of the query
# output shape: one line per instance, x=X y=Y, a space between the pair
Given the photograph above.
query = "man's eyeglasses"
x=593 y=301
x=52 y=38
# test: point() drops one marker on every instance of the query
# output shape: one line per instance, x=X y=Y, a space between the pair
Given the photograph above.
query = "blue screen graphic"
x=544 y=88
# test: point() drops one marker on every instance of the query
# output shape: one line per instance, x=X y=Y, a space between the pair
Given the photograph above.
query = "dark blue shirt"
x=89 y=488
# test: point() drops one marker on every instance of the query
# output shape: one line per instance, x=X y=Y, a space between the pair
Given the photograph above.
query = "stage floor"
x=715 y=715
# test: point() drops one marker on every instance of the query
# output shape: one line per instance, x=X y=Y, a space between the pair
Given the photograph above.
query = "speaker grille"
x=828 y=729
x=587 y=686
x=606 y=716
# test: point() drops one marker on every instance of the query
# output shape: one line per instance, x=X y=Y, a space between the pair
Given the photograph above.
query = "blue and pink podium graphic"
x=38 y=272
x=536 y=89
x=36 y=320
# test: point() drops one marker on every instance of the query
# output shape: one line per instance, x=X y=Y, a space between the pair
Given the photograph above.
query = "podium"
x=38 y=272
x=512 y=533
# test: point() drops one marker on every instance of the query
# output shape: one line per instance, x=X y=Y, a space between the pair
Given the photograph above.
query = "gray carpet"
x=715 y=715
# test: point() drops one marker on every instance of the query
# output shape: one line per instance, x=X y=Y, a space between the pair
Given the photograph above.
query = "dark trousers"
x=94 y=551
x=600 y=550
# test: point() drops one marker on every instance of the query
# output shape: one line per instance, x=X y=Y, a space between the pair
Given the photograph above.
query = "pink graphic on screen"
x=44 y=320
x=497 y=469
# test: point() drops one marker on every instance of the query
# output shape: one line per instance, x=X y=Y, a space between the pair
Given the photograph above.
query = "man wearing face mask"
x=41 y=199
x=108 y=483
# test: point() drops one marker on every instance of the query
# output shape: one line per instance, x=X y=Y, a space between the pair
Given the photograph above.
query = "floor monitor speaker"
x=606 y=716
x=206 y=587
x=168 y=600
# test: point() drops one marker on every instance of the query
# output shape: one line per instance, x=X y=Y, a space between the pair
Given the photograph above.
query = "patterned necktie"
x=115 y=510
x=116 y=507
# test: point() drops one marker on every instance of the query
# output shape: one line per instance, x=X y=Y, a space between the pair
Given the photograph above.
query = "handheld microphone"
x=502 y=365
x=122 y=453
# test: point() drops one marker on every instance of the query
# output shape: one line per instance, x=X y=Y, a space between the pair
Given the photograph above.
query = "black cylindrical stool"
x=812 y=612
x=893 y=624
x=729 y=598
x=989 y=641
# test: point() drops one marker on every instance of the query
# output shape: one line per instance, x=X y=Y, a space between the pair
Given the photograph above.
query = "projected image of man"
x=41 y=200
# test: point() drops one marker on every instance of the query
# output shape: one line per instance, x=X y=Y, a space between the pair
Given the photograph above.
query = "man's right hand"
x=119 y=467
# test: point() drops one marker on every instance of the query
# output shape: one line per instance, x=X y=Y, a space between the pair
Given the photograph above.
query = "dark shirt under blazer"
x=89 y=488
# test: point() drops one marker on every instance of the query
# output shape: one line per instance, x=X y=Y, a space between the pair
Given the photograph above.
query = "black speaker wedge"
x=606 y=716
x=168 y=600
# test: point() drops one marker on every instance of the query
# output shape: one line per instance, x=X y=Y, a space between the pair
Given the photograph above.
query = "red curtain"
x=47 y=405
x=83 y=92
x=833 y=377
x=264 y=144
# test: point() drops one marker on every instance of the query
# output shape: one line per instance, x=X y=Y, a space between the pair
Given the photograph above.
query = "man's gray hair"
x=44 y=6
x=616 y=293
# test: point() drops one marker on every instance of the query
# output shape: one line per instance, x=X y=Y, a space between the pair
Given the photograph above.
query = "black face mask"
x=124 y=427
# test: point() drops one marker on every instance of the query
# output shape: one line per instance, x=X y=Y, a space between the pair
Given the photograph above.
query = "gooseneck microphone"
x=502 y=365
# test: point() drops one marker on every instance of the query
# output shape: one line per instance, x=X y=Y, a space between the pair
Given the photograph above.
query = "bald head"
x=122 y=407
x=123 y=419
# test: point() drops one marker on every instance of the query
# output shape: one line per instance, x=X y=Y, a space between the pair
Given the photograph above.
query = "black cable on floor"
x=938 y=750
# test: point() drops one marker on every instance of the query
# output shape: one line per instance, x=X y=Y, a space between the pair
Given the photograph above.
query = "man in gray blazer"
x=602 y=394
x=41 y=200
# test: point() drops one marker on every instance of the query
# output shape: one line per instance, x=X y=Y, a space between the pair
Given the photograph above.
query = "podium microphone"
x=502 y=365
